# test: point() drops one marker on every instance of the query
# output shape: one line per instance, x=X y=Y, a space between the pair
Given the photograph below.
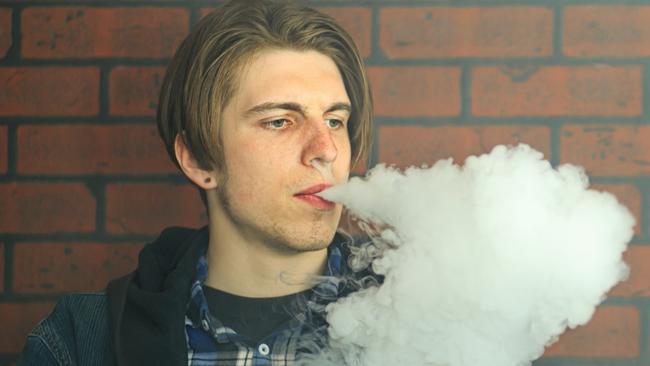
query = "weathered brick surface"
x=415 y=91
x=4 y=149
x=49 y=90
x=70 y=267
x=2 y=267
x=205 y=11
x=357 y=22
x=450 y=32
x=606 y=31
x=89 y=32
x=551 y=91
x=5 y=31
x=133 y=91
x=612 y=332
x=38 y=208
x=17 y=320
x=607 y=150
x=415 y=145
x=629 y=196
x=148 y=208
x=637 y=285
x=130 y=149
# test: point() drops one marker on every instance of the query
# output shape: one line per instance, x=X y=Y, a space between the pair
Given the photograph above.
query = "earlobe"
x=205 y=179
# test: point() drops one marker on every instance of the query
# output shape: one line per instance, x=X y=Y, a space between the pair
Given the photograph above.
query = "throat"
x=257 y=272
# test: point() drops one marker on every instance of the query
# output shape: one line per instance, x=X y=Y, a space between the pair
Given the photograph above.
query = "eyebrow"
x=291 y=106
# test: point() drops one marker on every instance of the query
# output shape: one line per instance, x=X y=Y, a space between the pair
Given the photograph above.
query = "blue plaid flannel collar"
x=327 y=290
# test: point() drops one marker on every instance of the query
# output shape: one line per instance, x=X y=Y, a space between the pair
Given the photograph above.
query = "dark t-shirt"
x=252 y=317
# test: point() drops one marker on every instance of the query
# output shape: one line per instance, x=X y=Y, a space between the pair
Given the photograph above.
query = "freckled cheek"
x=254 y=178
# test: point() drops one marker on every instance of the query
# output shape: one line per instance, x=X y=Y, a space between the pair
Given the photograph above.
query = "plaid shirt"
x=209 y=342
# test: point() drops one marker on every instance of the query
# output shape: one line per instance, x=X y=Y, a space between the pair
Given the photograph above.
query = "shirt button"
x=205 y=325
x=264 y=349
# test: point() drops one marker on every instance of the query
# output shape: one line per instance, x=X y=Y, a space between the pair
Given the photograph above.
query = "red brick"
x=36 y=208
x=453 y=32
x=95 y=32
x=638 y=284
x=606 y=31
x=607 y=150
x=17 y=320
x=205 y=11
x=551 y=91
x=133 y=91
x=415 y=91
x=43 y=91
x=70 y=267
x=612 y=332
x=4 y=150
x=416 y=145
x=5 y=31
x=2 y=267
x=148 y=208
x=91 y=149
x=629 y=196
x=357 y=22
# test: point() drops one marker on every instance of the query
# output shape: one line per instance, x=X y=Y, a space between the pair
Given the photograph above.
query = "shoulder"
x=75 y=333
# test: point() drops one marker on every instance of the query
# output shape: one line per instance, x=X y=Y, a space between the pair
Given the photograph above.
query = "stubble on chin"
x=298 y=241
x=283 y=238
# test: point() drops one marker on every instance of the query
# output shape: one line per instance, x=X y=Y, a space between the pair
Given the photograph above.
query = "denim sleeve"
x=75 y=333
x=53 y=340
x=36 y=353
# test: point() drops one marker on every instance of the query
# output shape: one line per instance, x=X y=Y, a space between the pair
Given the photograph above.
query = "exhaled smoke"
x=484 y=264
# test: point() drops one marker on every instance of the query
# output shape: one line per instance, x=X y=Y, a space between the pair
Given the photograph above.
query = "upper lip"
x=314 y=189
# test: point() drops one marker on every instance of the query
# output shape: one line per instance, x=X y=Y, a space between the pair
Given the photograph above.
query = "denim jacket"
x=75 y=333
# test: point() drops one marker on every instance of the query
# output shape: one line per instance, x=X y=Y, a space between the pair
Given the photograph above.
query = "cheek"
x=252 y=173
x=344 y=157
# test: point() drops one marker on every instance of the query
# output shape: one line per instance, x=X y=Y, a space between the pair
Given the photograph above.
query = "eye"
x=334 y=123
x=277 y=124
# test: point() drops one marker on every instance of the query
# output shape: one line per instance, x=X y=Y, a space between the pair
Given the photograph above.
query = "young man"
x=264 y=105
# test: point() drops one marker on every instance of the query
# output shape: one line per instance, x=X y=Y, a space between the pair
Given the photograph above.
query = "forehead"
x=287 y=75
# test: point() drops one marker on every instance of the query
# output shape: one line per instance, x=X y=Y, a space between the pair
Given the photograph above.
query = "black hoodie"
x=147 y=307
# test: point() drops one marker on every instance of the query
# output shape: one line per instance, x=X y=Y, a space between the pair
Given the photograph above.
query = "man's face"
x=290 y=110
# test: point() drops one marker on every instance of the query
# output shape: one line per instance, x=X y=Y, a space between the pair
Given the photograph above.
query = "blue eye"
x=334 y=123
x=277 y=124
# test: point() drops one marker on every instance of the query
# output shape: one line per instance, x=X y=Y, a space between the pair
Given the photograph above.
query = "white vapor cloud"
x=485 y=264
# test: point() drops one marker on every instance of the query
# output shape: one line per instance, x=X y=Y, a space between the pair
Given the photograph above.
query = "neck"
x=246 y=265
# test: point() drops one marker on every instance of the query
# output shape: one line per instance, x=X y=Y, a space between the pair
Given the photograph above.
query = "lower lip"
x=317 y=202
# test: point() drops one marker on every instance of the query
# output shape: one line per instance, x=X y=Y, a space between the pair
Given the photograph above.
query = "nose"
x=320 y=145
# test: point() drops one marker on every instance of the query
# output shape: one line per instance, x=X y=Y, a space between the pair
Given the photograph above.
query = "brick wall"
x=84 y=179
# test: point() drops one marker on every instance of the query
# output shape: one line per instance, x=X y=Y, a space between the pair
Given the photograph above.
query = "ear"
x=206 y=179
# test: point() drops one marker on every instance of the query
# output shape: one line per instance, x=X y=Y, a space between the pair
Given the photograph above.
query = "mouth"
x=309 y=196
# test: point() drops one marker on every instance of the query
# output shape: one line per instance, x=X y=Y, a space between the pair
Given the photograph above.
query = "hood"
x=147 y=307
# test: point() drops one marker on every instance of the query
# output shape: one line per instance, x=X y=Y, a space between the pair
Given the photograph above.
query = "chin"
x=314 y=238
